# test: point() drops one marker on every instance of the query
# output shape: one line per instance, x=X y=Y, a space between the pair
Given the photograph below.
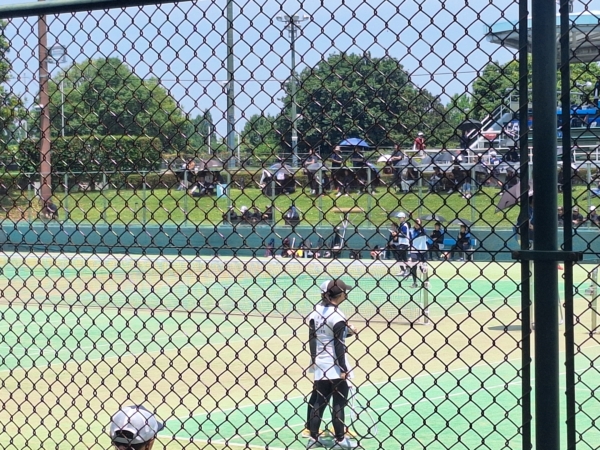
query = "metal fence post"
x=66 y=195
x=546 y=224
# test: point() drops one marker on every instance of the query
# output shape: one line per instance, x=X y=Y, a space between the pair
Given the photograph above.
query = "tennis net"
x=251 y=286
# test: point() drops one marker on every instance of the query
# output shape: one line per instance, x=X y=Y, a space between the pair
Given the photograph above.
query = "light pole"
x=230 y=87
x=57 y=55
x=292 y=23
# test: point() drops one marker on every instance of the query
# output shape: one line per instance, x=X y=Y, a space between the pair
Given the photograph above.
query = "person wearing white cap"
x=328 y=329
x=134 y=428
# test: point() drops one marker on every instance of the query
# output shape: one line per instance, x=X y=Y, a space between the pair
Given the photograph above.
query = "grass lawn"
x=162 y=206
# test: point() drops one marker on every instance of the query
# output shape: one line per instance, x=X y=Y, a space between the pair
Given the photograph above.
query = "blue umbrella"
x=354 y=142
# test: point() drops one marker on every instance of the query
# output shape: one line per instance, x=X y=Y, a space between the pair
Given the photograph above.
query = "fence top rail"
x=71 y=6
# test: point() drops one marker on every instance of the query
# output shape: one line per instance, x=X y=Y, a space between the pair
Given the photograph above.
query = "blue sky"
x=440 y=43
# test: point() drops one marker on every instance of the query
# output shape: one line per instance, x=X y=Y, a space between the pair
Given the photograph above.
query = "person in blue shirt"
x=463 y=242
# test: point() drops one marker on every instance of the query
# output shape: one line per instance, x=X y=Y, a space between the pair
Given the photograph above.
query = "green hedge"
x=93 y=154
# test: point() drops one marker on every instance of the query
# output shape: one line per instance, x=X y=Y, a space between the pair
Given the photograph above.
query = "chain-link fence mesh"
x=178 y=180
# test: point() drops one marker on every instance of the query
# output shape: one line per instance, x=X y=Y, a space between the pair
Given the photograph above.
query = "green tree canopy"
x=11 y=106
x=103 y=97
x=260 y=137
x=350 y=95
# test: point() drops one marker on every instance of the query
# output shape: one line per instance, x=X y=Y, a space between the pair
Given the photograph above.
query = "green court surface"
x=218 y=347
x=472 y=407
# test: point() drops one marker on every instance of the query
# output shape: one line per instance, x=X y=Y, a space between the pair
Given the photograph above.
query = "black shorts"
x=401 y=252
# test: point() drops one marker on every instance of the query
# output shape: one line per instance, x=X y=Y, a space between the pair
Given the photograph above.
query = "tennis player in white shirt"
x=332 y=369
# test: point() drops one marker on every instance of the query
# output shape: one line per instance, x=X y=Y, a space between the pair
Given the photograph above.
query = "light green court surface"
x=79 y=315
x=476 y=407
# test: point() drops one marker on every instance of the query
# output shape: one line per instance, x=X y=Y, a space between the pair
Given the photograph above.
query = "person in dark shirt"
x=561 y=216
x=395 y=161
x=312 y=158
x=437 y=241
x=463 y=242
x=358 y=164
x=338 y=173
x=577 y=217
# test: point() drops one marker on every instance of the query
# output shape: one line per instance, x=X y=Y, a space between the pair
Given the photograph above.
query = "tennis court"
x=218 y=348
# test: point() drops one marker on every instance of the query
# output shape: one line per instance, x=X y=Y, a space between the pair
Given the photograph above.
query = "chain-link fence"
x=180 y=181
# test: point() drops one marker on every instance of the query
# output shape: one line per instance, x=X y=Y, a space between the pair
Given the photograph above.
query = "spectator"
x=50 y=211
x=458 y=177
x=287 y=250
x=268 y=214
x=246 y=215
x=376 y=253
x=292 y=215
x=312 y=158
x=577 y=217
x=358 y=164
x=436 y=182
x=269 y=251
x=561 y=216
x=134 y=428
x=512 y=155
x=511 y=180
x=466 y=184
x=419 y=144
x=337 y=172
x=593 y=217
x=437 y=241
x=463 y=242
x=395 y=161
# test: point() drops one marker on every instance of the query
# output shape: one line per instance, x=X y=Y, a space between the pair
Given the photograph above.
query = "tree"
x=350 y=95
x=260 y=138
x=103 y=97
x=11 y=107
x=201 y=133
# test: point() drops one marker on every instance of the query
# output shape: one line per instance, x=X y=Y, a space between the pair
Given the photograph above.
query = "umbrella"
x=384 y=158
x=459 y=222
x=432 y=217
x=354 y=142
x=315 y=167
x=280 y=166
x=469 y=124
x=511 y=196
x=213 y=163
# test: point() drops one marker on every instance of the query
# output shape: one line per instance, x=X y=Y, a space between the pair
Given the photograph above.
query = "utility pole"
x=44 y=145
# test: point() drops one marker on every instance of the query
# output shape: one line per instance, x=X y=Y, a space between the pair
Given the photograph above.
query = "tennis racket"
x=363 y=420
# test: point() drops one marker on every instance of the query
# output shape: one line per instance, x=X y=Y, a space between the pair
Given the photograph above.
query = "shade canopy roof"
x=584 y=36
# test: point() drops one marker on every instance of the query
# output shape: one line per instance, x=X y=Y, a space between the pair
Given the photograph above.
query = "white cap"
x=325 y=286
x=493 y=153
x=137 y=422
x=244 y=209
x=420 y=133
x=592 y=208
x=401 y=215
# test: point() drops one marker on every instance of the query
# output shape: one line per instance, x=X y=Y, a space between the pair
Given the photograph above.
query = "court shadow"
x=505 y=328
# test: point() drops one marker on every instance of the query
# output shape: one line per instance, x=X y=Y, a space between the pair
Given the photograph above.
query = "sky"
x=440 y=43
